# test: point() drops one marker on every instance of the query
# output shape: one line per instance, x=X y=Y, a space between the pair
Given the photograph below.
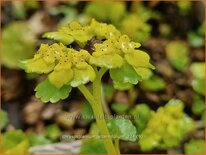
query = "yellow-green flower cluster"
x=65 y=65
x=75 y=67
x=167 y=127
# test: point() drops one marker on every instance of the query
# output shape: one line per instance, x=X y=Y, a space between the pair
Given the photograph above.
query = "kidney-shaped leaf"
x=48 y=92
x=125 y=74
x=177 y=54
x=198 y=69
x=4 y=118
x=14 y=142
x=122 y=86
x=122 y=129
x=17 y=44
x=92 y=146
x=195 y=146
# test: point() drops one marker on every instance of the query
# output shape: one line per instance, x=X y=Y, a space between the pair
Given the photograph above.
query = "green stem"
x=101 y=123
x=97 y=86
x=116 y=144
x=97 y=89
x=87 y=94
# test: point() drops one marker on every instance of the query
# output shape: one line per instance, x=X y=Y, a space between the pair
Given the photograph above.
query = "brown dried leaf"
x=67 y=119
x=32 y=111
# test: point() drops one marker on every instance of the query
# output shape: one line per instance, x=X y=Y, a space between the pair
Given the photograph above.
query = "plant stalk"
x=116 y=143
x=99 y=114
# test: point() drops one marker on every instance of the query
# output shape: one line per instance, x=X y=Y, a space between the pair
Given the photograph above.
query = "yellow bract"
x=145 y=73
x=61 y=77
x=112 y=60
x=44 y=59
x=125 y=44
x=38 y=66
x=74 y=67
x=80 y=34
x=65 y=64
x=138 y=58
x=103 y=30
x=112 y=53
x=82 y=75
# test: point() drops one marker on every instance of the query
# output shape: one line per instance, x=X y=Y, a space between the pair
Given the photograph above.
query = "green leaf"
x=141 y=113
x=199 y=86
x=19 y=10
x=122 y=129
x=184 y=7
x=198 y=69
x=65 y=10
x=201 y=29
x=177 y=53
x=108 y=90
x=18 y=44
x=198 y=105
x=125 y=74
x=195 y=40
x=52 y=132
x=71 y=16
x=119 y=108
x=154 y=83
x=122 y=86
x=93 y=9
x=142 y=11
x=32 y=4
x=106 y=11
x=195 y=146
x=59 y=36
x=38 y=139
x=93 y=146
x=14 y=142
x=135 y=27
x=48 y=92
x=86 y=112
x=4 y=119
